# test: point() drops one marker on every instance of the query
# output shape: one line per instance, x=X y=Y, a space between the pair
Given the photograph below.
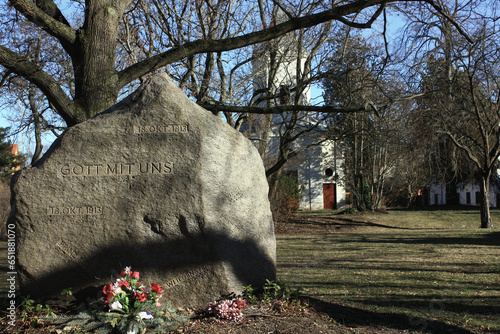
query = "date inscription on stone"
x=109 y=169
x=170 y=128
x=73 y=210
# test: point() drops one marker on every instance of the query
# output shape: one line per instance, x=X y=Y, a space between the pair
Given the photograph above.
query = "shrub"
x=288 y=195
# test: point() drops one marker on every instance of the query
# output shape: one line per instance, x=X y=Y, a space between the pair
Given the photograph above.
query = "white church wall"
x=316 y=167
x=333 y=171
x=284 y=77
x=311 y=164
x=437 y=194
x=311 y=179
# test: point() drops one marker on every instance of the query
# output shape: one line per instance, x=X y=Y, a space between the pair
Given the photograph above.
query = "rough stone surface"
x=156 y=183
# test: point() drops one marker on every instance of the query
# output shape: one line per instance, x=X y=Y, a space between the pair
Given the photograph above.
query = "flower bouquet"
x=128 y=295
x=227 y=310
x=130 y=308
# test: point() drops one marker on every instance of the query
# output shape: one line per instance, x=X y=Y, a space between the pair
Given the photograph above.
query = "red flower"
x=108 y=293
x=123 y=273
x=155 y=287
x=140 y=296
x=134 y=274
x=124 y=283
x=240 y=303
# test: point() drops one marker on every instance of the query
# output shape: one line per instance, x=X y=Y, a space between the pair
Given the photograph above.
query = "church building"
x=317 y=163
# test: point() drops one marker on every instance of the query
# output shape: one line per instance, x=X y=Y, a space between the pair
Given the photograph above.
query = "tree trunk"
x=273 y=181
x=485 y=202
x=361 y=204
x=37 y=123
x=266 y=133
x=96 y=79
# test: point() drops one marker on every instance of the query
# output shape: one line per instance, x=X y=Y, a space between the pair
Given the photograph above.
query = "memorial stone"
x=156 y=183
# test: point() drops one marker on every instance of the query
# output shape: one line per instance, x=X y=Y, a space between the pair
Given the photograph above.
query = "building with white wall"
x=320 y=171
x=319 y=165
x=437 y=194
x=468 y=193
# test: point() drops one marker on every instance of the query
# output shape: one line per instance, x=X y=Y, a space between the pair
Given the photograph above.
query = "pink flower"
x=226 y=310
x=155 y=287
x=134 y=274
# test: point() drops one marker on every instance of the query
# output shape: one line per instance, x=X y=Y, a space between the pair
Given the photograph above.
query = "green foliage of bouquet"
x=127 y=307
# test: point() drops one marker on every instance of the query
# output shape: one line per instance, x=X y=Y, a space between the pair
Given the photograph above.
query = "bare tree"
x=356 y=69
x=458 y=80
x=107 y=30
x=461 y=101
x=472 y=121
x=30 y=111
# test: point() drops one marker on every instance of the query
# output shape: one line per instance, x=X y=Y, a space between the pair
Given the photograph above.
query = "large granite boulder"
x=156 y=183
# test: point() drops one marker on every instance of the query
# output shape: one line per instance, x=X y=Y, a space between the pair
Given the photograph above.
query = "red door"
x=329 y=194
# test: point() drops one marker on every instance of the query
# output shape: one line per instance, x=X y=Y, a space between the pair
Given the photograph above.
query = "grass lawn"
x=426 y=265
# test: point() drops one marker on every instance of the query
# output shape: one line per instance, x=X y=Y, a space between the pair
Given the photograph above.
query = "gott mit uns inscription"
x=123 y=168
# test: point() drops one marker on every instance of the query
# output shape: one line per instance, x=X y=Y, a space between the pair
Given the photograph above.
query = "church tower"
x=280 y=76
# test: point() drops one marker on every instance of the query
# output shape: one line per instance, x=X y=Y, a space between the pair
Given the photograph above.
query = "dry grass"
x=431 y=265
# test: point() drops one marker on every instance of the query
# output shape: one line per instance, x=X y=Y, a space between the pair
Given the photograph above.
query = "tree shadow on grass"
x=337 y=221
x=484 y=239
x=356 y=317
x=487 y=239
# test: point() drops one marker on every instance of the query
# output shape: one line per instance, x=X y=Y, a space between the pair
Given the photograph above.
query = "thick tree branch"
x=366 y=25
x=465 y=148
x=135 y=71
x=281 y=161
x=63 y=32
x=31 y=72
x=368 y=106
